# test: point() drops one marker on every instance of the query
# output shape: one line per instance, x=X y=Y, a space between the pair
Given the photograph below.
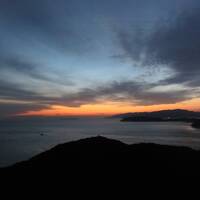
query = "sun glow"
x=109 y=108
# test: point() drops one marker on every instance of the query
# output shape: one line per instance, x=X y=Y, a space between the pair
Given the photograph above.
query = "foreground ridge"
x=99 y=159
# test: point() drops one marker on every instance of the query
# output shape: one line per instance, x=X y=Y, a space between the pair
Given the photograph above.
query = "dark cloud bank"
x=134 y=92
x=176 y=45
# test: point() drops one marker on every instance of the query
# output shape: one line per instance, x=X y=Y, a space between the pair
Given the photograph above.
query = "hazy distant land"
x=165 y=114
x=177 y=115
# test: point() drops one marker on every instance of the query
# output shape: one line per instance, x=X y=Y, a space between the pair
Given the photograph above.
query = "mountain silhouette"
x=99 y=156
x=164 y=114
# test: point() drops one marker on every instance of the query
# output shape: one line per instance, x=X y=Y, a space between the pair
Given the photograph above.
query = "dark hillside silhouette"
x=101 y=157
x=174 y=114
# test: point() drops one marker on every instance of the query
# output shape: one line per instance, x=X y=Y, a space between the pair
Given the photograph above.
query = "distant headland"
x=162 y=116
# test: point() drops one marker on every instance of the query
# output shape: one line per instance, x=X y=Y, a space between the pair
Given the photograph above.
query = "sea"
x=21 y=139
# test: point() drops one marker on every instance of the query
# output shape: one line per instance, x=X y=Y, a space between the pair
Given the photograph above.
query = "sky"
x=91 y=57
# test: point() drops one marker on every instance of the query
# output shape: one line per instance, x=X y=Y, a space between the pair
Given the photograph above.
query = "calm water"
x=21 y=139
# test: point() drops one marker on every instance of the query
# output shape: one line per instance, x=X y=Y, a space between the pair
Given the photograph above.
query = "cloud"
x=175 y=44
x=8 y=109
x=10 y=91
x=37 y=29
x=125 y=92
x=131 y=92
x=38 y=14
x=50 y=23
x=18 y=65
x=15 y=100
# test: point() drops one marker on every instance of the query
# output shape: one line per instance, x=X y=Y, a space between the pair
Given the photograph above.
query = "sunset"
x=112 y=84
x=142 y=58
x=109 y=109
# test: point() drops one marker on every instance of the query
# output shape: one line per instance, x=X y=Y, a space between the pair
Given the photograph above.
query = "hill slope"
x=102 y=157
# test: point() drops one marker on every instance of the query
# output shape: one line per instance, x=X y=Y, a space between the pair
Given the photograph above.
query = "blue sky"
x=51 y=52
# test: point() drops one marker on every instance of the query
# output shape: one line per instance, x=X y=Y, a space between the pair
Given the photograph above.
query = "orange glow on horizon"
x=110 y=108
